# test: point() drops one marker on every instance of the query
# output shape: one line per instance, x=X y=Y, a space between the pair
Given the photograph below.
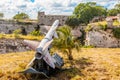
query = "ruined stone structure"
x=102 y=38
x=10 y=26
x=118 y=15
x=12 y=45
x=109 y=23
x=49 y=19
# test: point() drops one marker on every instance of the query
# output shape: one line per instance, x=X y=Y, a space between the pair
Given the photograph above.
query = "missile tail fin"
x=31 y=44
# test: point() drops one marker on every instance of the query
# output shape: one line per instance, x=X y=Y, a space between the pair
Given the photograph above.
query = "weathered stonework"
x=49 y=19
x=9 y=26
x=101 y=39
x=109 y=23
x=12 y=45
x=118 y=15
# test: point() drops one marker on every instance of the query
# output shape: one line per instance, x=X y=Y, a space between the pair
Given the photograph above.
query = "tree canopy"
x=87 y=11
x=117 y=6
x=114 y=11
x=21 y=16
x=72 y=22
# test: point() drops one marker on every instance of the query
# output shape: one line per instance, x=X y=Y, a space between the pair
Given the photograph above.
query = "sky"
x=59 y=7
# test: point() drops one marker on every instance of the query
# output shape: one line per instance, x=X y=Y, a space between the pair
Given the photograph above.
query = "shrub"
x=116 y=23
x=116 y=33
x=103 y=26
x=88 y=28
x=35 y=33
x=16 y=33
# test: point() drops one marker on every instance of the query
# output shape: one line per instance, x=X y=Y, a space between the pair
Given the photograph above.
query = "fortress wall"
x=49 y=19
x=7 y=26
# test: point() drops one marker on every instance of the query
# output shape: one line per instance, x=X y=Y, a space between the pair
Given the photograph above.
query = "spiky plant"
x=66 y=42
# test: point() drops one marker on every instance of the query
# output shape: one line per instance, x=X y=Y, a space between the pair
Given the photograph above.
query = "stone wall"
x=102 y=38
x=10 y=26
x=118 y=15
x=12 y=45
x=49 y=19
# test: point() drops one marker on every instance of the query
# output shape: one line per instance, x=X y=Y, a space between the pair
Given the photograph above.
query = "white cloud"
x=12 y=7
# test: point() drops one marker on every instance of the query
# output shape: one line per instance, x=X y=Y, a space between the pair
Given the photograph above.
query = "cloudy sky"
x=31 y=7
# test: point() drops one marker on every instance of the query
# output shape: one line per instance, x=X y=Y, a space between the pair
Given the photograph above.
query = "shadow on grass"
x=74 y=70
x=65 y=74
x=83 y=62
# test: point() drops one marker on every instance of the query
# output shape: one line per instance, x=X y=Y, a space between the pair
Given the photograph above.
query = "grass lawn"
x=88 y=64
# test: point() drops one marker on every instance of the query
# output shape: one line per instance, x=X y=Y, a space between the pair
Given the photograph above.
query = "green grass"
x=88 y=64
x=115 y=23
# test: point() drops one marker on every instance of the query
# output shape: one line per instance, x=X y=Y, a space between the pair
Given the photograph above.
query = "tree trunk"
x=70 y=57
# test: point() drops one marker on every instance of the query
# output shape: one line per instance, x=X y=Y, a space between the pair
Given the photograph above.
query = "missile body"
x=42 y=50
x=49 y=36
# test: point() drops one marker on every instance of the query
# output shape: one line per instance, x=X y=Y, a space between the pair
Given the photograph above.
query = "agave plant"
x=66 y=42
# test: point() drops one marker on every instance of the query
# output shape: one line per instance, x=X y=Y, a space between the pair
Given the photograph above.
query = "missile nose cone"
x=56 y=23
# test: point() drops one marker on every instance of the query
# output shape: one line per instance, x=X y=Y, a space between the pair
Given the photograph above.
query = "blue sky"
x=60 y=7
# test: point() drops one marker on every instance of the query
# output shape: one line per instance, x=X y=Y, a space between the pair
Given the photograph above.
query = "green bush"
x=88 y=28
x=116 y=23
x=16 y=33
x=116 y=33
x=35 y=33
x=103 y=26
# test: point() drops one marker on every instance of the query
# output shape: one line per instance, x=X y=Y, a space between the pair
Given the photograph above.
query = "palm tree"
x=65 y=41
